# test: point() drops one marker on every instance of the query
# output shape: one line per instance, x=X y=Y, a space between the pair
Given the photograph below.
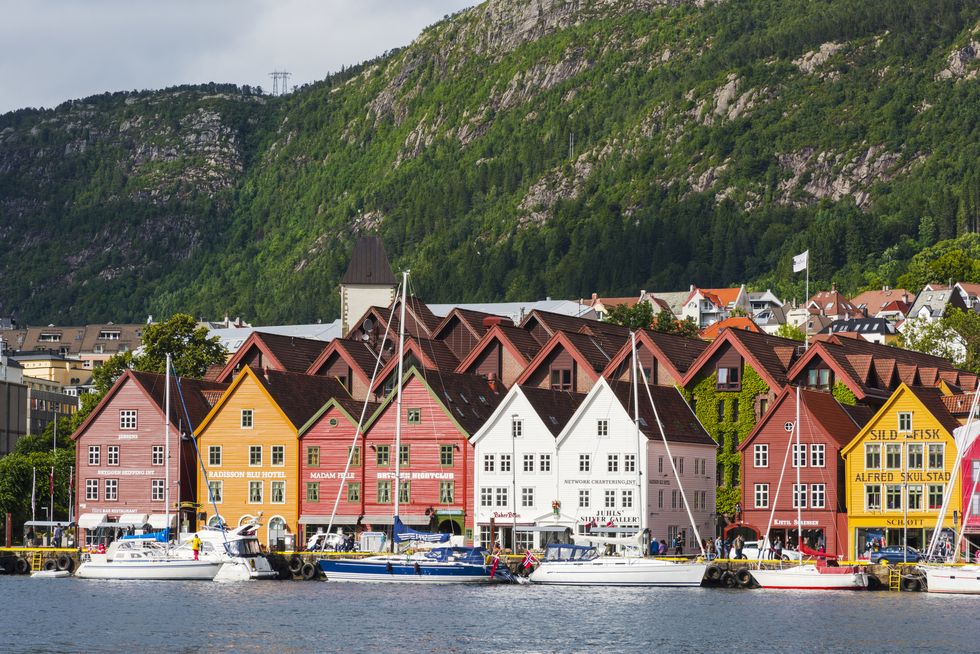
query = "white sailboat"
x=955 y=579
x=808 y=575
x=582 y=565
x=148 y=558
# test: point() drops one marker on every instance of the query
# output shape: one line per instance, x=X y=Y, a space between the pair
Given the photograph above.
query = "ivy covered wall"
x=728 y=427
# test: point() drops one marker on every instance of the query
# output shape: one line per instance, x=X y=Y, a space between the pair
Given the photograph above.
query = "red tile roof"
x=875 y=301
x=743 y=323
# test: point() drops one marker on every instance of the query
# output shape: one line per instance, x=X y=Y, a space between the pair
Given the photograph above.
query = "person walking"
x=719 y=548
x=739 y=545
x=196 y=546
x=58 y=533
x=654 y=547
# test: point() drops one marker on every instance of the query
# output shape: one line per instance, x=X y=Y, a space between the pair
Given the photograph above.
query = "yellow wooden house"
x=249 y=448
x=897 y=470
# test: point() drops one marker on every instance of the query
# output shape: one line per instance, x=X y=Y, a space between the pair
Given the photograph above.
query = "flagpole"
x=806 y=325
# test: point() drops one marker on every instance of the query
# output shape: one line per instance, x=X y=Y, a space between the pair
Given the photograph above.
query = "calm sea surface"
x=79 y=615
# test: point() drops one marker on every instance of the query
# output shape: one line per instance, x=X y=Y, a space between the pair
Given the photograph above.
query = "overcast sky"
x=55 y=50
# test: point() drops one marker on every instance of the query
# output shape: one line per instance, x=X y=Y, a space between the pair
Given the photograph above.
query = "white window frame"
x=516 y=428
x=486 y=496
x=216 y=491
x=627 y=498
x=272 y=456
x=760 y=457
x=629 y=463
x=277 y=483
x=818 y=496
x=544 y=463
x=868 y=447
x=905 y=416
x=91 y=490
x=528 y=463
x=501 y=496
x=609 y=499
x=94 y=455
x=158 y=490
x=799 y=455
x=602 y=428
x=212 y=451
x=128 y=419
x=251 y=450
x=799 y=496
x=942 y=450
x=247 y=419
x=584 y=498
x=253 y=483
x=489 y=462
x=867 y=493
x=505 y=463
x=818 y=455
x=612 y=462
x=111 y=490
x=761 y=496
x=157 y=452
x=112 y=455
x=585 y=463
x=527 y=496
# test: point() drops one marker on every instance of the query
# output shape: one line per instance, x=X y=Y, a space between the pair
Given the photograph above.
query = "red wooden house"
x=502 y=354
x=274 y=351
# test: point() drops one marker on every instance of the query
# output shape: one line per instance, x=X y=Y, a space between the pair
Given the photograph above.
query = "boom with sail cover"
x=404 y=534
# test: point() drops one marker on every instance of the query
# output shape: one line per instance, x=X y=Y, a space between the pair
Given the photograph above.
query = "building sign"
x=331 y=475
x=125 y=473
x=509 y=515
x=897 y=476
x=899 y=522
x=418 y=475
x=779 y=522
x=601 y=482
x=914 y=435
x=128 y=437
x=617 y=517
x=250 y=474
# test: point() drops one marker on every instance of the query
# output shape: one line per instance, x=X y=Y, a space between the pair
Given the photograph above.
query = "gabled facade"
x=276 y=352
x=348 y=361
x=419 y=352
x=873 y=303
x=568 y=362
x=897 y=469
x=665 y=358
x=934 y=301
x=706 y=306
x=832 y=304
x=502 y=354
x=462 y=329
x=121 y=456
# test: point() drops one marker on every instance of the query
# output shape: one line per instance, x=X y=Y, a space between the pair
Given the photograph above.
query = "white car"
x=751 y=552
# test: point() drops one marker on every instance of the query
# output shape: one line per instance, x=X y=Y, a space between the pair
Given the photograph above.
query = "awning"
x=325 y=520
x=159 y=520
x=134 y=519
x=550 y=529
x=92 y=520
x=387 y=520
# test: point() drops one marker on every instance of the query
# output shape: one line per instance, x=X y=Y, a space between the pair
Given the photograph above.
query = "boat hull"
x=808 y=577
x=616 y=571
x=963 y=580
x=403 y=572
x=169 y=570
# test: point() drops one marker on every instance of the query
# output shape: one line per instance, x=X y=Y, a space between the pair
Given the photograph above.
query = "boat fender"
x=65 y=562
x=911 y=584
x=713 y=573
x=418 y=569
x=50 y=564
x=23 y=566
x=744 y=578
x=728 y=579
x=389 y=568
x=309 y=571
x=295 y=564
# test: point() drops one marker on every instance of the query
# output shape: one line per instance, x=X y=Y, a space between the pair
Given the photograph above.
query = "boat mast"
x=798 y=462
x=166 y=448
x=636 y=426
x=398 y=405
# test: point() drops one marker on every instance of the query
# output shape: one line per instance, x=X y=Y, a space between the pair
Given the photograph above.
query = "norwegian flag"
x=496 y=562
x=529 y=559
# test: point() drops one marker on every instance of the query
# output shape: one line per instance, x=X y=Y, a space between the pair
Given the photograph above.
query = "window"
x=127 y=419
x=629 y=463
x=915 y=458
x=215 y=491
x=524 y=540
x=527 y=497
x=818 y=455
x=660 y=499
x=247 y=415
x=354 y=491
x=489 y=462
x=728 y=379
x=872 y=455
x=354 y=453
x=254 y=455
x=447 y=492
x=584 y=498
x=313 y=456
x=584 y=463
x=157 y=489
x=278 y=455
x=384 y=491
x=516 y=427
x=799 y=455
x=872 y=497
x=602 y=428
x=761 y=455
x=561 y=379
x=893 y=497
x=660 y=465
x=673 y=499
x=94 y=455
x=312 y=491
x=505 y=463
x=383 y=456
x=415 y=416
x=915 y=498
x=156 y=458
x=214 y=455
x=528 y=463
x=111 y=490
x=905 y=421
x=405 y=491
x=627 y=499
x=255 y=492
x=404 y=456
x=502 y=496
x=819 y=378
x=936 y=456
x=799 y=496
x=763 y=406
x=486 y=496
x=936 y=496
x=112 y=455
x=91 y=489
x=612 y=464
x=277 y=489
x=721 y=410
x=108 y=335
x=893 y=456
x=735 y=410
x=544 y=463
x=610 y=499
x=446 y=455
x=679 y=463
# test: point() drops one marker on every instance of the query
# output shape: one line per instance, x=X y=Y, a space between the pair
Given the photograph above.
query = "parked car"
x=891 y=555
x=751 y=551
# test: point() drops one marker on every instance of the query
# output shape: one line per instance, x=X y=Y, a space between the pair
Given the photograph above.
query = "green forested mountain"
x=519 y=149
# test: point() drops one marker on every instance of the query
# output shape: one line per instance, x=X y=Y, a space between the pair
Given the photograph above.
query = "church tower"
x=368 y=281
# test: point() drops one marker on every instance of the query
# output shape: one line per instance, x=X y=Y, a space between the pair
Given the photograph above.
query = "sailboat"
x=582 y=565
x=959 y=579
x=149 y=558
x=822 y=574
x=435 y=565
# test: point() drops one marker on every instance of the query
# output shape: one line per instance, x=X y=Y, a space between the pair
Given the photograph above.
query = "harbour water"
x=75 y=615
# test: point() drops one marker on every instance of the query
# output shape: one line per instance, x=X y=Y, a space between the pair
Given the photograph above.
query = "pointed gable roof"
x=432 y=355
x=584 y=348
x=520 y=343
x=286 y=353
x=349 y=407
x=766 y=354
x=678 y=420
x=472 y=320
x=930 y=398
x=673 y=351
x=553 y=322
x=357 y=354
x=840 y=423
x=735 y=322
x=369 y=264
x=555 y=408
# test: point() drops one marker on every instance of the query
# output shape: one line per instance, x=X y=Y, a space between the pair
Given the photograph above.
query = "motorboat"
x=812 y=576
x=434 y=566
x=237 y=549
x=581 y=565
x=963 y=579
x=144 y=558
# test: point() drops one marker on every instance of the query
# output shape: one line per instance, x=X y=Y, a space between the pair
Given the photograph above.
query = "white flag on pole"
x=801 y=261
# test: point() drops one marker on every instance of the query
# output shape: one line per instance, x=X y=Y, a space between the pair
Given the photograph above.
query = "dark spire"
x=369 y=264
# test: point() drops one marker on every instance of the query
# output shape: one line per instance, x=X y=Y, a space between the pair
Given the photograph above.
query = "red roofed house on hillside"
x=833 y=305
x=744 y=323
x=706 y=306
x=871 y=303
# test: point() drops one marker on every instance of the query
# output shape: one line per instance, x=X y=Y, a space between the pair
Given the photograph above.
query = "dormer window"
x=819 y=378
x=49 y=337
x=108 y=335
x=561 y=379
x=729 y=378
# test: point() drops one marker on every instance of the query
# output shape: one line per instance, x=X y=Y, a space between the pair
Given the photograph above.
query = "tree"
x=667 y=323
x=935 y=337
x=966 y=324
x=638 y=316
x=786 y=330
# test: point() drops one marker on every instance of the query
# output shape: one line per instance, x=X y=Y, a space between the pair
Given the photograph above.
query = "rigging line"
x=424 y=371
x=360 y=422
x=775 y=499
x=663 y=436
